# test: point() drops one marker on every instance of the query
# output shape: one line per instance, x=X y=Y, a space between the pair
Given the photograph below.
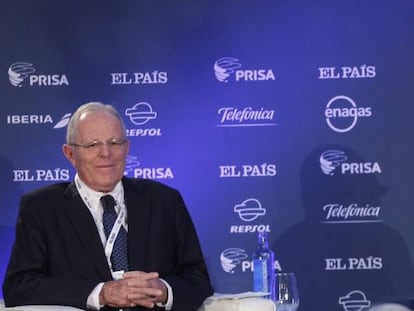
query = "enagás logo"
x=333 y=161
x=342 y=113
x=229 y=68
x=21 y=71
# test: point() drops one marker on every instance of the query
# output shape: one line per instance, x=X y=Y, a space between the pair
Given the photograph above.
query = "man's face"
x=100 y=167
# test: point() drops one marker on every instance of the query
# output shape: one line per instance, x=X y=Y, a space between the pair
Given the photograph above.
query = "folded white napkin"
x=246 y=301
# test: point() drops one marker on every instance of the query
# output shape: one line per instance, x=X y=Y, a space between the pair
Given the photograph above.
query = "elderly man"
x=105 y=241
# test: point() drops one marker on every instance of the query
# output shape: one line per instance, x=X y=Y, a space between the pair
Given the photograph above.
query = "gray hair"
x=72 y=127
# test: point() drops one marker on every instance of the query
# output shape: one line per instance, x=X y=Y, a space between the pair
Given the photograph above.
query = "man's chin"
x=106 y=187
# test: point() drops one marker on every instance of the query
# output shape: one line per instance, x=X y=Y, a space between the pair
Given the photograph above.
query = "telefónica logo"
x=237 y=117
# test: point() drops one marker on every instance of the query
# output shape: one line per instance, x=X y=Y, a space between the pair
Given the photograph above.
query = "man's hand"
x=135 y=289
x=135 y=280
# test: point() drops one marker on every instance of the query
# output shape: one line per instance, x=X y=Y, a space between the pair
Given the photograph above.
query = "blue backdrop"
x=293 y=117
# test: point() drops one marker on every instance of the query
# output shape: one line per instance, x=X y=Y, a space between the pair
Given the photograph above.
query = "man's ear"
x=67 y=151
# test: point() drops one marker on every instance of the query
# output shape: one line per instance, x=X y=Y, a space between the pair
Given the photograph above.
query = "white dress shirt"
x=92 y=200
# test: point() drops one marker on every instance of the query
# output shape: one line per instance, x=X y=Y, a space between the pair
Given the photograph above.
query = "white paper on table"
x=218 y=296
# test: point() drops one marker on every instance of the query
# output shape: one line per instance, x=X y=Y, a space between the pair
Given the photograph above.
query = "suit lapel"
x=85 y=226
x=139 y=216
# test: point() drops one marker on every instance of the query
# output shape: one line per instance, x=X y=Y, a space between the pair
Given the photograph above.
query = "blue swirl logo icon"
x=354 y=301
x=224 y=67
x=250 y=209
x=230 y=258
x=140 y=113
x=18 y=72
x=131 y=163
x=330 y=160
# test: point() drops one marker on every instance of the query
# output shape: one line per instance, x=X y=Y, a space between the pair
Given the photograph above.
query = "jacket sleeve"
x=191 y=284
x=28 y=280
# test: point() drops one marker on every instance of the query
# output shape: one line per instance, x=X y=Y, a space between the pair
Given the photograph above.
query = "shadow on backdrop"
x=343 y=250
x=10 y=194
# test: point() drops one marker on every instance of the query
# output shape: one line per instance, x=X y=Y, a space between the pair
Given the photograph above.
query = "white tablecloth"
x=219 y=302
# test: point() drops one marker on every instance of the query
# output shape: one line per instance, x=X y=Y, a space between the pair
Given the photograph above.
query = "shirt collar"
x=95 y=196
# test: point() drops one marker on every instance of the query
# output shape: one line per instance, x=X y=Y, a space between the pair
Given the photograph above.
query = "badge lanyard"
x=120 y=220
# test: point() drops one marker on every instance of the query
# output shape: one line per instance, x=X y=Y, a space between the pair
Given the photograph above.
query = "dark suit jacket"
x=58 y=257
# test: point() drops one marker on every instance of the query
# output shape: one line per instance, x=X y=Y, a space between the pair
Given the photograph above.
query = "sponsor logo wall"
x=280 y=123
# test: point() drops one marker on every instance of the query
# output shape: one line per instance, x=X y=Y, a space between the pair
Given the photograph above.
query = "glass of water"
x=286 y=292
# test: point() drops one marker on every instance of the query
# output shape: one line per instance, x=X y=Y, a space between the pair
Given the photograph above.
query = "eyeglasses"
x=95 y=145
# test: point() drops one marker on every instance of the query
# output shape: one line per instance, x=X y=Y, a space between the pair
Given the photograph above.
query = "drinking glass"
x=286 y=292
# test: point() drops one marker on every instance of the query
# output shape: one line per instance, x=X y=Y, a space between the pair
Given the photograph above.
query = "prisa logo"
x=332 y=161
x=231 y=258
x=226 y=67
x=133 y=167
x=21 y=71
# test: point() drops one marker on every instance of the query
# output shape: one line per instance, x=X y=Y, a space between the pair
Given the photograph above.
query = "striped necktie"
x=119 y=256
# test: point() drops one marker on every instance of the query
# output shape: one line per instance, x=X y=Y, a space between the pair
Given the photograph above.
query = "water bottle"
x=263 y=266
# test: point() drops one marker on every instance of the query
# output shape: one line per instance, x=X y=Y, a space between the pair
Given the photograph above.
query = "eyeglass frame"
x=98 y=144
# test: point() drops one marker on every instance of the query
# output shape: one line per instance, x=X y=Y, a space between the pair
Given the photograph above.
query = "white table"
x=219 y=302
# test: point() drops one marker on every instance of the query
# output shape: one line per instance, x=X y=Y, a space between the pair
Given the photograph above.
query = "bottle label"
x=260 y=276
